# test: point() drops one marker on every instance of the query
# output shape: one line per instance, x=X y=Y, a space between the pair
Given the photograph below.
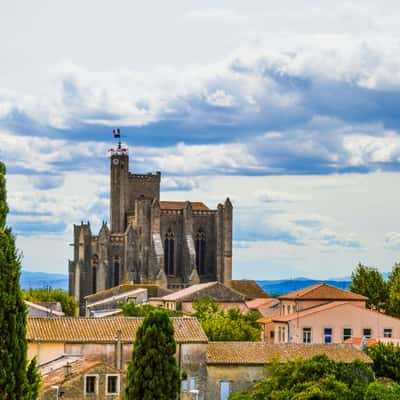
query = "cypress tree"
x=153 y=373
x=14 y=384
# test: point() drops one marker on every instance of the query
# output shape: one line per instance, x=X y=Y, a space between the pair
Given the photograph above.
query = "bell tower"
x=119 y=172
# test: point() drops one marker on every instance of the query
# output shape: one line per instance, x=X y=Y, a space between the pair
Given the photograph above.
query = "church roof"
x=322 y=291
x=180 y=205
x=260 y=353
x=249 y=288
x=104 y=330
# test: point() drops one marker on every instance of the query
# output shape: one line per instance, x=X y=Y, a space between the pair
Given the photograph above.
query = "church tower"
x=119 y=172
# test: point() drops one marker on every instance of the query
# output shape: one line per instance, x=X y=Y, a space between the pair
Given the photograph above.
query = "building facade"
x=169 y=243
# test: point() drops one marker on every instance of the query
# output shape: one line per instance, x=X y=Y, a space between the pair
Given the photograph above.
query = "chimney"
x=118 y=350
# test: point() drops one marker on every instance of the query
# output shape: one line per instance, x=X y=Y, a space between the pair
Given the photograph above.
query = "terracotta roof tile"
x=249 y=288
x=357 y=341
x=322 y=291
x=257 y=303
x=179 y=205
x=104 y=330
x=262 y=353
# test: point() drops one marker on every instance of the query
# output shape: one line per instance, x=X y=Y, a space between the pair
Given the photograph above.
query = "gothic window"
x=116 y=272
x=169 y=250
x=200 y=242
x=95 y=264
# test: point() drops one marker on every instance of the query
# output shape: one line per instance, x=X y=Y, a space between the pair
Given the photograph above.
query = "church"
x=172 y=244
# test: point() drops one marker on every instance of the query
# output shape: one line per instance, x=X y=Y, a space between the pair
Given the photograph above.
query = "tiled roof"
x=53 y=372
x=215 y=290
x=259 y=353
x=249 y=288
x=44 y=309
x=153 y=290
x=357 y=341
x=118 y=297
x=104 y=330
x=179 y=205
x=322 y=291
x=257 y=303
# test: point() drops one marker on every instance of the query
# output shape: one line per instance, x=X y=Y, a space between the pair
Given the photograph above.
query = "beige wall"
x=293 y=306
x=338 y=318
x=45 y=351
x=240 y=377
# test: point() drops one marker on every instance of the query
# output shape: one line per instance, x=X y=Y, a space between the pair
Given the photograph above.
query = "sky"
x=292 y=109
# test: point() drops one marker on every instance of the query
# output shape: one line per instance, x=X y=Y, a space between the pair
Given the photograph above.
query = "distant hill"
x=289 y=285
x=37 y=280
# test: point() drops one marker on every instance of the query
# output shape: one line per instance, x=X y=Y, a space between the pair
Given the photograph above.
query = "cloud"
x=47 y=182
x=392 y=241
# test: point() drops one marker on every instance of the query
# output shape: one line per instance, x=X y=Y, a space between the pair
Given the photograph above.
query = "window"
x=328 y=335
x=347 y=333
x=192 y=383
x=272 y=334
x=283 y=309
x=116 y=272
x=90 y=384
x=387 y=332
x=112 y=384
x=200 y=243
x=281 y=334
x=306 y=335
x=224 y=390
x=169 y=249
x=185 y=385
x=367 y=332
x=95 y=264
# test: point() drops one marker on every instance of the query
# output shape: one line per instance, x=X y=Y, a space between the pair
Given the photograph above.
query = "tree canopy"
x=153 y=372
x=232 y=325
x=316 y=378
x=18 y=378
x=131 y=309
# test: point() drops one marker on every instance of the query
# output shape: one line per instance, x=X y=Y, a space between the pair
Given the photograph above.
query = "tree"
x=14 y=382
x=131 y=309
x=153 y=372
x=232 y=325
x=394 y=291
x=368 y=282
x=379 y=391
x=68 y=303
x=386 y=358
x=316 y=378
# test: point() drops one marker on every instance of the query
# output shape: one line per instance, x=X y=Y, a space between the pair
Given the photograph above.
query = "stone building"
x=170 y=243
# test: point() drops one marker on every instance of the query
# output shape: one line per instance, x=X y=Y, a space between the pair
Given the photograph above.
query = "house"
x=110 y=340
x=44 y=309
x=75 y=377
x=182 y=300
x=236 y=366
x=332 y=322
x=248 y=288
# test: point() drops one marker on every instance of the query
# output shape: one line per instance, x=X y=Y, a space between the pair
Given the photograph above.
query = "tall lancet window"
x=200 y=242
x=116 y=272
x=169 y=253
x=95 y=264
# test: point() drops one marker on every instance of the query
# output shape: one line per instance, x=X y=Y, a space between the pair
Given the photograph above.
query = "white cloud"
x=392 y=241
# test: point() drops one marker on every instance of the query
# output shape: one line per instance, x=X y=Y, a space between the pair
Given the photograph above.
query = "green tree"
x=131 y=309
x=14 y=382
x=232 y=325
x=368 y=282
x=34 y=380
x=394 y=291
x=386 y=358
x=378 y=391
x=153 y=372
x=68 y=303
x=316 y=378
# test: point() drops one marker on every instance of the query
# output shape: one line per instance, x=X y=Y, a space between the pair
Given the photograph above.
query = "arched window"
x=95 y=264
x=200 y=242
x=116 y=272
x=169 y=250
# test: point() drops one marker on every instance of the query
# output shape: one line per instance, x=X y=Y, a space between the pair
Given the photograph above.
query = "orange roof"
x=322 y=291
x=179 y=205
x=104 y=330
x=257 y=303
x=249 y=288
x=262 y=353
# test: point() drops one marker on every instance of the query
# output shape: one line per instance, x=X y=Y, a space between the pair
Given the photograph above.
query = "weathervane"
x=120 y=149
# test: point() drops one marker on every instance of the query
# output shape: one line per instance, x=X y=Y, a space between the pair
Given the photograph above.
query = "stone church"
x=172 y=244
